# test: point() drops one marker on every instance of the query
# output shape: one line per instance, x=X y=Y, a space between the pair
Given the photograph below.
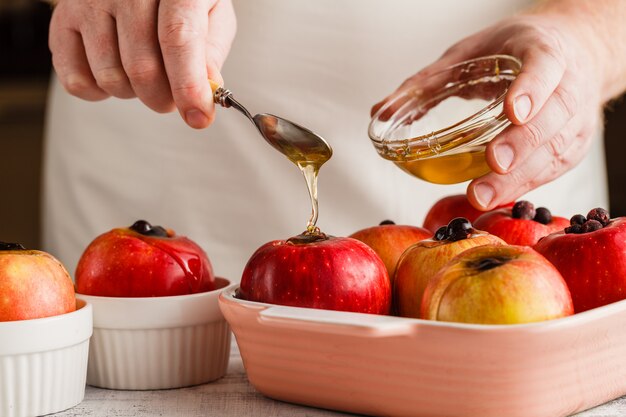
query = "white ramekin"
x=142 y=343
x=43 y=363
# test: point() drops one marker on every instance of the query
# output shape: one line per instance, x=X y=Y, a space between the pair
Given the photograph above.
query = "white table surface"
x=230 y=396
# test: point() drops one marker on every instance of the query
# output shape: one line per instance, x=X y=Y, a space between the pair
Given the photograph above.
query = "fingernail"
x=195 y=118
x=504 y=156
x=521 y=107
x=484 y=193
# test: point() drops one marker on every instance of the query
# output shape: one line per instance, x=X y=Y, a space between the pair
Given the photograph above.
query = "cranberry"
x=458 y=228
x=441 y=233
x=577 y=219
x=543 y=215
x=523 y=210
x=386 y=222
x=599 y=214
x=590 y=226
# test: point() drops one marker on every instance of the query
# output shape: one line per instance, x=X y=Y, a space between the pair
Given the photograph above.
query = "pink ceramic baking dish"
x=390 y=366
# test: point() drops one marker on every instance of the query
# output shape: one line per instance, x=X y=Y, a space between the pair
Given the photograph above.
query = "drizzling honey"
x=309 y=164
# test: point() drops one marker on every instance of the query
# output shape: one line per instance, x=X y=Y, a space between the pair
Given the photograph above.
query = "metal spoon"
x=297 y=143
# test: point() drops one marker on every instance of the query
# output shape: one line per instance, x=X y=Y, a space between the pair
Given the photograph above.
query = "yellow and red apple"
x=423 y=260
x=497 y=284
x=33 y=284
x=143 y=261
x=390 y=240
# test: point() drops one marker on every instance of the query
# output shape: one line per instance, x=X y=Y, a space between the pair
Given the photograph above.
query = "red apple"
x=496 y=284
x=143 y=261
x=521 y=224
x=450 y=207
x=591 y=258
x=318 y=271
x=390 y=240
x=33 y=284
x=423 y=260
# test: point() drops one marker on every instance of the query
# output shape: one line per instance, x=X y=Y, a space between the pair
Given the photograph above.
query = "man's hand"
x=162 y=52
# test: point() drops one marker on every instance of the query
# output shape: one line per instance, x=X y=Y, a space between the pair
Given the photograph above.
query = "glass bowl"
x=438 y=130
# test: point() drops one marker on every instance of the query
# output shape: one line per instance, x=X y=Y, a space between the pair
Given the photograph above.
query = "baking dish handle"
x=337 y=322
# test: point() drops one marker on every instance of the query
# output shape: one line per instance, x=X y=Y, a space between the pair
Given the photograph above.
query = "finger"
x=182 y=30
x=517 y=143
x=549 y=161
x=141 y=55
x=543 y=67
x=221 y=32
x=70 y=61
x=101 y=47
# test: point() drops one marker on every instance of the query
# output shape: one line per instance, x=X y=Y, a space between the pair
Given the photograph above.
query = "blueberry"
x=142 y=227
x=523 y=210
x=577 y=219
x=11 y=246
x=599 y=214
x=590 y=226
x=441 y=233
x=575 y=228
x=385 y=222
x=458 y=228
x=543 y=215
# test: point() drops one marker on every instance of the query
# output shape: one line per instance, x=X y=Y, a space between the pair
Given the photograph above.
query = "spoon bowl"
x=299 y=144
x=296 y=142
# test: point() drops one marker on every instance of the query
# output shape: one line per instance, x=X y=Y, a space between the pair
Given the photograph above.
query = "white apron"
x=320 y=63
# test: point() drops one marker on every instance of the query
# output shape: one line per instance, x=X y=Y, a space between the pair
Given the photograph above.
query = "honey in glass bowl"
x=438 y=130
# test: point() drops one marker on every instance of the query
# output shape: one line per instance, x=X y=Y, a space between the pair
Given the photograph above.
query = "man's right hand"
x=163 y=52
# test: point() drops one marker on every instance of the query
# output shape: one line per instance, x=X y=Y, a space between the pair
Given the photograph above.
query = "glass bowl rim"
x=379 y=140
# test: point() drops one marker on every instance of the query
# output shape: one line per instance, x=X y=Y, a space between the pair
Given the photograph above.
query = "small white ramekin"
x=43 y=363
x=142 y=343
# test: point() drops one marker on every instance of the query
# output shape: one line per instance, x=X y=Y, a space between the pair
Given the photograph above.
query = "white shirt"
x=320 y=63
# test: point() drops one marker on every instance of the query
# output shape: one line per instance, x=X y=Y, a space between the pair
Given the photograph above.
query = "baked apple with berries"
x=318 y=271
x=143 y=261
x=591 y=256
x=521 y=224
x=497 y=284
x=420 y=262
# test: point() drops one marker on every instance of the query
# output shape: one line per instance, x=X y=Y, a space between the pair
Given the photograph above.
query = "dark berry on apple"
x=543 y=215
x=590 y=226
x=458 y=228
x=577 y=219
x=11 y=246
x=385 y=222
x=599 y=214
x=524 y=210
x=158 y=231
x=441 y=233
x=141 y=226
x=575 y=228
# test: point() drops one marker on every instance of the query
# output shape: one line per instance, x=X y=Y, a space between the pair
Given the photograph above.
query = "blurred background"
x=24 y=74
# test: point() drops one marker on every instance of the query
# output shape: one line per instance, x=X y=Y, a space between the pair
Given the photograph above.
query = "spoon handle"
x=224 y=98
